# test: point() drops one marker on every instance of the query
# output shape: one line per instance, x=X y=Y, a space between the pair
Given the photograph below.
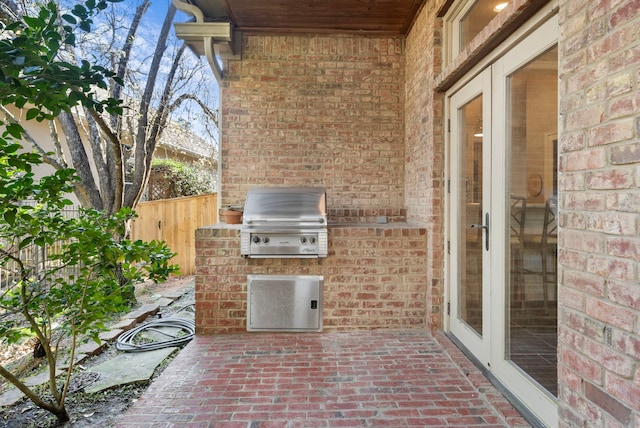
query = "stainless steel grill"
x=283 y=222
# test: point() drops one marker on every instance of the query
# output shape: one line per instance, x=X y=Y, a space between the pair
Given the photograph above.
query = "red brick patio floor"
x=379 y=378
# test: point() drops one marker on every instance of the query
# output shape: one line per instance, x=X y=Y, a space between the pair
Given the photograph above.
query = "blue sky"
x=158 y=9
x=146 y=40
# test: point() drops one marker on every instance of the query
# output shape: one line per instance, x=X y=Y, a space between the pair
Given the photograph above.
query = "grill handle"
x=286 y=220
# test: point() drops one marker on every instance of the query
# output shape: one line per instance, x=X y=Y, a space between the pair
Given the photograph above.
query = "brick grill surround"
x=374 y=277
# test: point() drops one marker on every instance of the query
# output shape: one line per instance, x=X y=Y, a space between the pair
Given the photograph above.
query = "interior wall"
x=543 y=110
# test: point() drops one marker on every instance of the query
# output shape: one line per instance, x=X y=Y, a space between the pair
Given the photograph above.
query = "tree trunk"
x=128 y=292
x=89 y=195
x=102 y=159
x=142 y=153
x=62 y=415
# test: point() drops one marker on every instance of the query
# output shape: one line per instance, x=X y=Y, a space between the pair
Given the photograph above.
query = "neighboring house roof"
x=178 y=139
x=175 y=138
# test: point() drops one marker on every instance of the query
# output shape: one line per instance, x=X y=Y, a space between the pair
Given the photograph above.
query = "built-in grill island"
x=284 y=222
x=296 y=264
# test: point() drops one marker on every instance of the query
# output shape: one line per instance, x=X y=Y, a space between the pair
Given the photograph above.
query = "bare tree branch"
x=126 y=53
x=162 y=114
x=9 y=8
x=53 y=132
x=103 y=171
x=213 y=115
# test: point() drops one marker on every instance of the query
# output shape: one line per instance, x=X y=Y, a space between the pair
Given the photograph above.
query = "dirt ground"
x=88 y=410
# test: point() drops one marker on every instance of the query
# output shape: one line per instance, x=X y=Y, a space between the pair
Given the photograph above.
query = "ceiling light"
x=478 y=128
x=500 y=6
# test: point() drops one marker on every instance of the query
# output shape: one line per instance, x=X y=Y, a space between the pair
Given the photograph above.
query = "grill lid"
x=301 y=206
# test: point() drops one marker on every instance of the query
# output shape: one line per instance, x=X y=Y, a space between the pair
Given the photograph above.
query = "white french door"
x=502 y=166
x=470 y=217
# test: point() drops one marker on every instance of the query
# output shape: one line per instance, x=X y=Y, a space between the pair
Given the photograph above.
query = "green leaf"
x=20 y=101
x=32 y=113
x=11 y=148
x=53 y=45
x=25 y=242
x=15 y=130
x=10 y=216
x=70 y=19
x=34 y=22
x=14 y=26
x=70 y=39
x=80 y=11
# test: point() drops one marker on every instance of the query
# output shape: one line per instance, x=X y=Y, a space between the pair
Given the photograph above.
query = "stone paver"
x=12 y=395
x=352 y=379
x=127 y=368
x=144 y=311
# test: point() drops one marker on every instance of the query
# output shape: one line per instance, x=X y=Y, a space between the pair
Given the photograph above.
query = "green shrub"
x=185 y=179
x=79 y=286
x=89 y=275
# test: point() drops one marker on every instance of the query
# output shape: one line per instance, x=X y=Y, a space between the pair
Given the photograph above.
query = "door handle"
x=486 y=230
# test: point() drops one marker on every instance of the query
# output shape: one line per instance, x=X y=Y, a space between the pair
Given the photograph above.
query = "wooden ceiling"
x=375 y=17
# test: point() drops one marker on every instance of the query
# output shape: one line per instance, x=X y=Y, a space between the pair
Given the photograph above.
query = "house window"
x=465 y=19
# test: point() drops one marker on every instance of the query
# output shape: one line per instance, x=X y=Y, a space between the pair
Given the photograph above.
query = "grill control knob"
x=303 y=240
x=312 y=239
x=256 y=239
x=265 y=239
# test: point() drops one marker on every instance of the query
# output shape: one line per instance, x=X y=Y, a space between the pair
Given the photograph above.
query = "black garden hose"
x=127 y=341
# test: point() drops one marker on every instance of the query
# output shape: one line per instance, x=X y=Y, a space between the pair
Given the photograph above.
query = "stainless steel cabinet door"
x=284 y=303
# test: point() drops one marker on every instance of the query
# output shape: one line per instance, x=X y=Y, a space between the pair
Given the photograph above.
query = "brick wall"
x=599 y=248
x=354 y=115
x=316 y=110
x=374 y=277
x=424 y=148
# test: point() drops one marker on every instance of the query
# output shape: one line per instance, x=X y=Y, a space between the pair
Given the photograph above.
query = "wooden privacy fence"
x=34 y=257
x=175 y=221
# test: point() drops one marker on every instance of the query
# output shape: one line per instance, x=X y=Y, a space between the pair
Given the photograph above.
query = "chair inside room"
x=549 y=247
x=516 y=236
x=545 y=244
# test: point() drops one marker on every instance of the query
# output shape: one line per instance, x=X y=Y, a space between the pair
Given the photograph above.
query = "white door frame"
x=540 y=37
x=475 y=87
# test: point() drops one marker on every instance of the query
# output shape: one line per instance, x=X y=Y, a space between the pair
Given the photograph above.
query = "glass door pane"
x=478 y=16
x=470 y=293
x=532 y=99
